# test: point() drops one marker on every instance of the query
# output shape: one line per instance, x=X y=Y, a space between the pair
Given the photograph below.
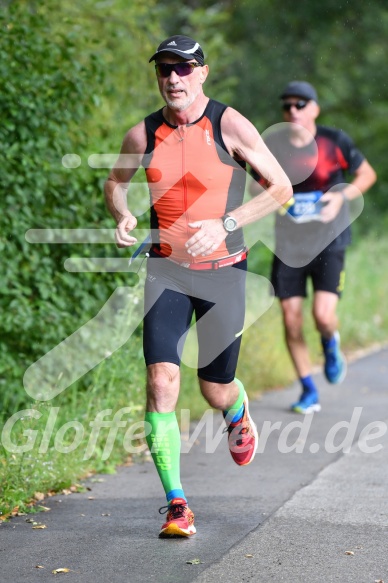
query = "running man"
x=194 y=151
x=311 y=237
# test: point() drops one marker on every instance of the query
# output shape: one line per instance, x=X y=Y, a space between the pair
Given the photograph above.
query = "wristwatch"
x=230 y=224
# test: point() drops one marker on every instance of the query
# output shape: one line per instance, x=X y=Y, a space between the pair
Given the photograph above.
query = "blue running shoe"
x=308 y=403
x=335 y=363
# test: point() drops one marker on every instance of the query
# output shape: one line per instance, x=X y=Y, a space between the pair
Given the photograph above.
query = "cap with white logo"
x=184 y=46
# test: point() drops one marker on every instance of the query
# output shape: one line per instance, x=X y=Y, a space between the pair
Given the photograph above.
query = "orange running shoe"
x=243 y=437
x=180 y=519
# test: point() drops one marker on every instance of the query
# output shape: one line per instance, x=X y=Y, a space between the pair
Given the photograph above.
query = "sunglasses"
x=301 y=104
x=181 y=69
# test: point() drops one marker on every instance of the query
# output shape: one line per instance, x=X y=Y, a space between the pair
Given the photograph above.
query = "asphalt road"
x=312 y=507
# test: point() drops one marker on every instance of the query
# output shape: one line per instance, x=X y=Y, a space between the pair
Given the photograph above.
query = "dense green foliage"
x=47 y=94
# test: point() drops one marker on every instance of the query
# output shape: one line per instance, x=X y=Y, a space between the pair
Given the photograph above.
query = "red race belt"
x=206 y=265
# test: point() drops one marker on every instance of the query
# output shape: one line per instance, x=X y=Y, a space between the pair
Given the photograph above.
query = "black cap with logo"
x=184 y=46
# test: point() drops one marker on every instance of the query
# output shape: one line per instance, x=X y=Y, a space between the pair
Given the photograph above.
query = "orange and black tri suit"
x=192 y=177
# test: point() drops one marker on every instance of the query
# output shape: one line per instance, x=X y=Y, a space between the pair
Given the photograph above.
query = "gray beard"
x=181 y=106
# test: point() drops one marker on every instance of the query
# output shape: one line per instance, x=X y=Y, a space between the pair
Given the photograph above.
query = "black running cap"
x=184 y=46
x=300 y=89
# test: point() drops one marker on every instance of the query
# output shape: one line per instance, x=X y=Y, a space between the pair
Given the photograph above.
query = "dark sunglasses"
x=181 y=69
x=301 y=104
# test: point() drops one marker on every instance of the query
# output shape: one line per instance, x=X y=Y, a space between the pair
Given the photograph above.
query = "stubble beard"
x=181 y=105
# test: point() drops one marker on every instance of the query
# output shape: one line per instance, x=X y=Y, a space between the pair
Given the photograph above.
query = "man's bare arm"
x=243 y=142
x=116 y=186
x=364 y=178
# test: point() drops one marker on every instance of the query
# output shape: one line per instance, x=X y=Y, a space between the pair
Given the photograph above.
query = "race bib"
x=306 y=207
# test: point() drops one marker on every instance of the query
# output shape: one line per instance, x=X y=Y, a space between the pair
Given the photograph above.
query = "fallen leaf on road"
x=61 y=571
x=16 y=512
x=77 y=488
x=43 y=508
x=39 y=496
x=39 y=567
x=349 y=553
x=249 y=556
x=194 y=562
x=40 y=526
x=379 y=581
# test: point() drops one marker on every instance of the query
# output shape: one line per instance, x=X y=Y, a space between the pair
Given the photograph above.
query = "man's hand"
x=333 y=203
x=207 y=239
x=124 y=226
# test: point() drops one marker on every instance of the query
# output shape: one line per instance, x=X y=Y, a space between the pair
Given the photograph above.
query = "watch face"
x=230 y=224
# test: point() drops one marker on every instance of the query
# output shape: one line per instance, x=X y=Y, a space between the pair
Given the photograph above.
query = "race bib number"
x=306 y=207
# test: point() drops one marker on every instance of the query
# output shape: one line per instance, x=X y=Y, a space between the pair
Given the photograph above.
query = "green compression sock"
x=164 y=442
x=236 y=411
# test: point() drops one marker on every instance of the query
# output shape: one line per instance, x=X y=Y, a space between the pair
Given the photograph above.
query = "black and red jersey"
x=315 y=168
x=321 y=164
x=191 y=177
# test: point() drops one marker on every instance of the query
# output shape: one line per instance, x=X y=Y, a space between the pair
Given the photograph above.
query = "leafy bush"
x=48 y=94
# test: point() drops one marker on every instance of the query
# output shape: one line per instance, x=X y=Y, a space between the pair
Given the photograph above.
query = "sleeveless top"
x=191 y=177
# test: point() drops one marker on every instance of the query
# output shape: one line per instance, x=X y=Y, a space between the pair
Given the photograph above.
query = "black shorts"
x=326 y=272
x=217 y=298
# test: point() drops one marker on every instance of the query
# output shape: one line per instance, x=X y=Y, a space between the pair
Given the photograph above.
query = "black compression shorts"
x=326 y=272
x=216 y=298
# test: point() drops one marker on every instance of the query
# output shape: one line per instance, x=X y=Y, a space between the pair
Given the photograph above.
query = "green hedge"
x=48 y=94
